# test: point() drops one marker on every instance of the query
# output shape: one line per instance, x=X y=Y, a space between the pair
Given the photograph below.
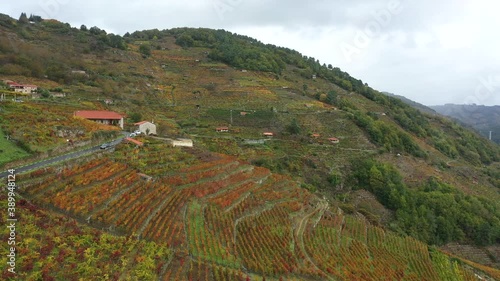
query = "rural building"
x=146 y=127
x=182 y=143
x=268 y=134
x=222 y=129
x=79 y=72
x=22 y=88
x=57 y=95
x=334 y=140
x=136 y=142
x=315 y=136
x=145 y=177
x=101 y=116
x=254 y=142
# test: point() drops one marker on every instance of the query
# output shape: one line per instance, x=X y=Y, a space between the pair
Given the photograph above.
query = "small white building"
x=182 y=143
x=146 y=127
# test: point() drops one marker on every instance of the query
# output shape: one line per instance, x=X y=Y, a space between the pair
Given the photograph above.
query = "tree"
x=83 y=27
x=96 y=31
x=331 y=97
x=116 y=41
x=45 y=94
x=135 y=117
x=294 y=127
x=35 y=18
x=185 y=41
x=23 y=18
x=145 y=50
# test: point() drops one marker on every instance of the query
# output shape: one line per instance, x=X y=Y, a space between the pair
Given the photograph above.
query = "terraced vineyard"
x=223 y=219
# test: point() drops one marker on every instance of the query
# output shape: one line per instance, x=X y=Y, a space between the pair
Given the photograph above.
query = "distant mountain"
x=411 y=103
x=482 y=118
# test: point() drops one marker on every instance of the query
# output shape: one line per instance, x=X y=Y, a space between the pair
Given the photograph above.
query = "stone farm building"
x=146 y=127
x=101 y=116
x=182 y=143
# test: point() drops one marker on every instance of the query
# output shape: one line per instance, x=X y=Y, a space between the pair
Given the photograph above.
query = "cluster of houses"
x=28 y=89
x=331 y=139
x=21 y=88
x=116 y=119
x=225 y=129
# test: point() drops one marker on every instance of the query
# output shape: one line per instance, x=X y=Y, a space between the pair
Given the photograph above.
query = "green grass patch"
x=9 y=151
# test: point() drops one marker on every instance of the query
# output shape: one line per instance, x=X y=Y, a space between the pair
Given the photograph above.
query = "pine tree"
x=23 y=18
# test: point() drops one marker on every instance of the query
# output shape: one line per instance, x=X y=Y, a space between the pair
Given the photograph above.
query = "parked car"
x=132 y=135
x=137 y=132
x=105 y=146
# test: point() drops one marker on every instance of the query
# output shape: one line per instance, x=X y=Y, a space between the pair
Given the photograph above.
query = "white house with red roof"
x=146 y=127
x=222 y=129
x=334 y=140
x=101 y=116
x=268 y=134
x=22 y=88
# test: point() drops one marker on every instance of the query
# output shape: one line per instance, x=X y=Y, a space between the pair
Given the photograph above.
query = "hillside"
x=221 y=218
x=419 y=106
x=398 y=187
x=482 y=118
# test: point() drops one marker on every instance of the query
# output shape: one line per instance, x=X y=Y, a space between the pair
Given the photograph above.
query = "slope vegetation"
x=227 y=220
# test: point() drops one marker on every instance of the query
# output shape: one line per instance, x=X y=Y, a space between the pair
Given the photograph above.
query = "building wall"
x=110 y=122
x=182 y=142
x=144 y=128
x=25 y=90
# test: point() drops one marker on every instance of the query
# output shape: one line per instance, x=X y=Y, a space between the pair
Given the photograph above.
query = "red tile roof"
x=140 y=123
x=96 y=114
x=333 y=139
x=134 y=141
x=269 y=134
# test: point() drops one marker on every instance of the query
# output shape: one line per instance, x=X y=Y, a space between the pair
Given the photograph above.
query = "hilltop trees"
x=35 y=18
x=23 y=18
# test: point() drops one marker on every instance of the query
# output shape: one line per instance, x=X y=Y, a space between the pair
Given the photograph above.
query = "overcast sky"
x=433 y=53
